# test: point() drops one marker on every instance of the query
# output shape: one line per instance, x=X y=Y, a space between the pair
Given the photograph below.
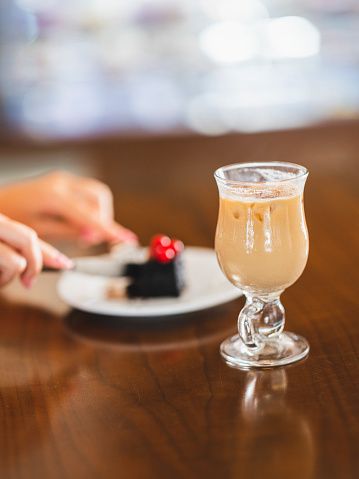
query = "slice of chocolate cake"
x=154 y=279
x=160 y=276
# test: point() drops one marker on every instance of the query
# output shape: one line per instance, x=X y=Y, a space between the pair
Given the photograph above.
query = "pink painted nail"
x=86 y=233
x=91 y=236
x=28 y=282
x=64 y=262
x=124 y=234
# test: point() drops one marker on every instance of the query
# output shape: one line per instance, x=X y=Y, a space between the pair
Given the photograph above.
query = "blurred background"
x=80 y=68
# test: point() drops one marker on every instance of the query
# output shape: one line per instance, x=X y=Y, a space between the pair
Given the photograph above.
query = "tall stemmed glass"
x=262 y=247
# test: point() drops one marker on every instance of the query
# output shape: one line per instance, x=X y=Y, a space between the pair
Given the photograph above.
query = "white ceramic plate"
x=206 y=286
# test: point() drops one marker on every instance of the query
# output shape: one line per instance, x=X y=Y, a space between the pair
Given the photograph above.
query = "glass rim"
x=302 y=172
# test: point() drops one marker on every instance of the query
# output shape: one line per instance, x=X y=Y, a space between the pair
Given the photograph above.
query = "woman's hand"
x=23 y=254
x=61 y=205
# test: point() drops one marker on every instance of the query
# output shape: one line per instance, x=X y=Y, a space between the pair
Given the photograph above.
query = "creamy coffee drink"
x=262 y=238
x=262 y=247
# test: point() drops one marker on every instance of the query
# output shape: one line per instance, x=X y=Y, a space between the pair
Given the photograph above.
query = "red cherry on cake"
x=161 y=240
x=157 y=243
x=164 y=255
x=164 y=249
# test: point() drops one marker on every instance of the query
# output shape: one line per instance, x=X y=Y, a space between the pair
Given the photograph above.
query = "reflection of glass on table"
x=276 y=438
x=262 y=248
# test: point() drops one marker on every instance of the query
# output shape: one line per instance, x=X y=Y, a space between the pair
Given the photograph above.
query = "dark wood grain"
x=89 y=396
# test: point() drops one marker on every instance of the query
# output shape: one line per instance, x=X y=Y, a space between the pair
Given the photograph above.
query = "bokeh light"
x=293 y=37
x=229 y=42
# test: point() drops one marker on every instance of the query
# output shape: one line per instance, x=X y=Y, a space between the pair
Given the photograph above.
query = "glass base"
x=285 y=349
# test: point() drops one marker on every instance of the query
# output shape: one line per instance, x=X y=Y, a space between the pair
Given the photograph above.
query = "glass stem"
x=261 y=320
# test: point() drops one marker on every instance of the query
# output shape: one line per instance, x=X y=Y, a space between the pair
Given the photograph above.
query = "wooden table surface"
x=89 y=396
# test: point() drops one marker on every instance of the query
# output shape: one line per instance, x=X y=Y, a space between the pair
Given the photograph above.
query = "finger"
x=80 y=215
x=86 y=205
x=56 y=228
x=85 y=218
x=98 y=195
x=59 y=229
x=53 y=258
x=11 y=264
x=123 y=234
x=119 y=234
x=98 y=200
x=25 y=241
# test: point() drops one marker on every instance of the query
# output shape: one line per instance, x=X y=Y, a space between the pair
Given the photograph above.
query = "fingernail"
x=88 y=235
x=123 y=234
x=64 y=262
x=27 y=282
